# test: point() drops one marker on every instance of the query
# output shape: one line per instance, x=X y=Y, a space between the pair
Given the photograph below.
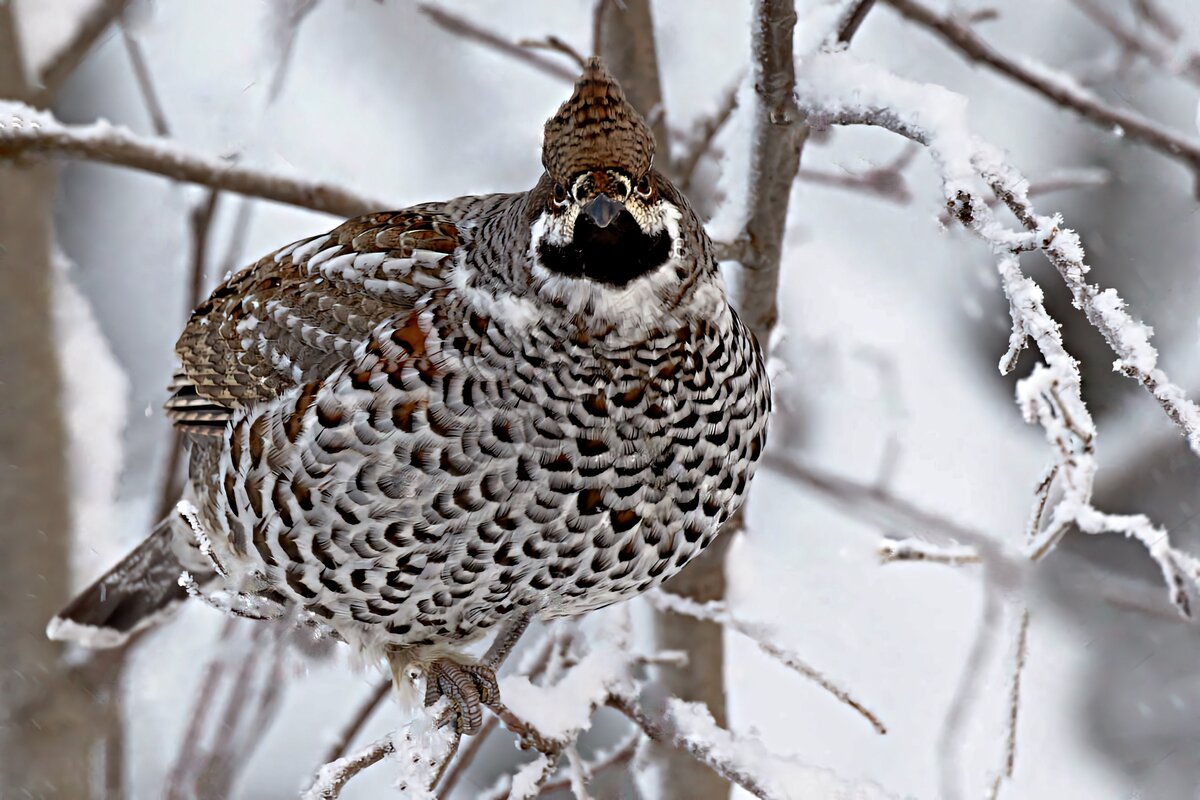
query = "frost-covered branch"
x=25 y=132
x=1055 y=87
x=619 y=756
x=718 y=613
x=741 y=760
x=838 y=88
x=334 y=776
x=892 y=550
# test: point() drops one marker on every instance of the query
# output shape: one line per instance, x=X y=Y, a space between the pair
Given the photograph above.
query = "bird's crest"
x=596 y=129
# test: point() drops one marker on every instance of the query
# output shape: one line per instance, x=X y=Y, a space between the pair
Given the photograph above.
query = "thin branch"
x=598 y=12
x=1020 y=655
x=660 y=733
x=288 y=17
x=701 y=145
x=717 y=612
x=886 y=182
x=145 y=83
x=1135 y=41
x=951 y=739
x=461 y=26
x=619 y=756
x=852 y=19
x=1130 y=124
x=893 y=550
x=236 y=243
x=24 y=131
x=556 y=45
x=187 y=761
x=466 y=756
x=345 y=738
x=1158 y=18
x=55 y=73
x=333 y=777
x=885 y=509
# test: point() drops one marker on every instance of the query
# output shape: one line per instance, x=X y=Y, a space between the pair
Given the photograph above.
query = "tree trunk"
x=54 y=721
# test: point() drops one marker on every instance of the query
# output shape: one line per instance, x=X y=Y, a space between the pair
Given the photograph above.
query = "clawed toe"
x=469 y=687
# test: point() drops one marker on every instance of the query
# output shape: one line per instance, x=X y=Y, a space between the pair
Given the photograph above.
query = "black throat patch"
x=613 y=255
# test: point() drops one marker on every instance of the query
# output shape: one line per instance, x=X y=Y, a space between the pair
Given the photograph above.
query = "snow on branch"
x=25 y=131
x=334 y=776
x=742 y=760
x=718 y=613
x=839 y=89
x=1059 y=89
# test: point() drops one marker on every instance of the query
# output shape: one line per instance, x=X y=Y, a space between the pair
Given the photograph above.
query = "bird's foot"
x=468 y=687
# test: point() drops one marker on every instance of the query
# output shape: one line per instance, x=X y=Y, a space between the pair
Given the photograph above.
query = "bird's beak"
x=602 y=210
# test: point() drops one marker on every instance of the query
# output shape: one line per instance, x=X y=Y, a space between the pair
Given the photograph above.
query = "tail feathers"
x=136 y=593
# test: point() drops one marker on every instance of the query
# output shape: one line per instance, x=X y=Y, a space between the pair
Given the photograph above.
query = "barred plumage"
x=428 y=422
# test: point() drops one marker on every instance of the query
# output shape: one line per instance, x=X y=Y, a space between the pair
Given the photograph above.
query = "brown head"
x=601 y=212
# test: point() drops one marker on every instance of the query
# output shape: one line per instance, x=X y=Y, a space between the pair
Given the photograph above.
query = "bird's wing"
x=299 y=313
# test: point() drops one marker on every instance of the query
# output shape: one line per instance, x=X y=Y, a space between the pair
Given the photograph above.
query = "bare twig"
x=852 y=19
x=1135 y=41
x=55 y=73
x=598 y=12
x=557 y=45
x=141 y=75
x=464 y=27
x=288 y=17
x=1130 y=124
x=1158 y=18
x=1020 y=653
x=236 y=243
x=354 y=726
x=886 y=182
x=951 y=739
x=24 y=131
x=187 y=761
x=701 y=145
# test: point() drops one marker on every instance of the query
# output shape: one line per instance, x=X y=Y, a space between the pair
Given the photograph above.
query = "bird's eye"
x=643 y=186
x=560 y=193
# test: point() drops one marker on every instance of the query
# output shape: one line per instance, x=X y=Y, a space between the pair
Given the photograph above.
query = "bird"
x=430 y=424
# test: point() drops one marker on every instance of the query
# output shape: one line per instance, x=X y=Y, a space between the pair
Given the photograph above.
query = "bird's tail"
x=136 y=593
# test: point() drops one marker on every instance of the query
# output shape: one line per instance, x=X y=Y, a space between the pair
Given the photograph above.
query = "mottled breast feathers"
x=299 y=313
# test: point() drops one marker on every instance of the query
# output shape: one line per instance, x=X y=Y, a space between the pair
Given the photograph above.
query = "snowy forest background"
x=887 y=540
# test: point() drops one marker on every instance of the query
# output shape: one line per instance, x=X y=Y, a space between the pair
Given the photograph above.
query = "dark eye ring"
x=643 y=186
x=560 y=193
